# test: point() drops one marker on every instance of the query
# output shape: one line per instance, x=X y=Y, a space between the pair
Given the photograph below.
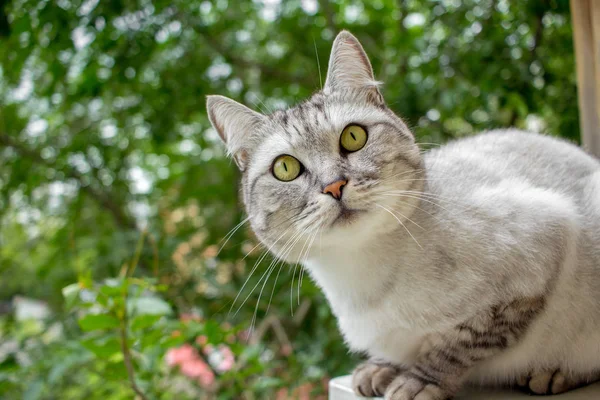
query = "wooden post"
x=586 y=31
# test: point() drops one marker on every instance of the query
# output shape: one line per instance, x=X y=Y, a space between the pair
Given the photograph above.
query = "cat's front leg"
x=372 y=378
x=446 y=358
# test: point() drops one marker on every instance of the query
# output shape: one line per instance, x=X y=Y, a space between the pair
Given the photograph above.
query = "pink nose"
x=335 y=188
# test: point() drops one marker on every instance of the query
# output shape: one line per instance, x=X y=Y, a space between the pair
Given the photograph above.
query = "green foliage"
x=111 y=177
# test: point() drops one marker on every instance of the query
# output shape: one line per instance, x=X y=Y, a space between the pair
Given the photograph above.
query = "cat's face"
x=328 y=171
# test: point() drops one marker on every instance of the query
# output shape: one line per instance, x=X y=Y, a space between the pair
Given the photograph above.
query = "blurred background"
x=120 y=275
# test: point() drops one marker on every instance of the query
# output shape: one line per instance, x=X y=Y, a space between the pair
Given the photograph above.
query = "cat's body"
x=493 y=195
x=478 y=261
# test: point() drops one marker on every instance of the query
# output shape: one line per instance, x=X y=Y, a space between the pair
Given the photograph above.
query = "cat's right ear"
x=237 y=126
x=350 y=68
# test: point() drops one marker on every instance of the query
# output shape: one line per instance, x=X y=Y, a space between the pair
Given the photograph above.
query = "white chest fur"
x=367 y=308
x=382 y=334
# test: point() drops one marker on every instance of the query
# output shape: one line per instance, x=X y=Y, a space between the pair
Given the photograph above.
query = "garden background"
x=116 y=276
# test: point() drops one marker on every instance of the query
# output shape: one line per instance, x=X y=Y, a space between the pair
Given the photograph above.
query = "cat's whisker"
x=302 y=251
x=420 y=179
x=300 y=280
x=395 y=177
x=416 y=198
x=252 y=290
x=231 y=233
x=266 y=275
x=263 y=103
x=423 y=210
x=252 y=272
x=318 y=64
x=419 y=193
x=429 y=144
x=402 y=173
x=384 y=195
x=292 y=283
x=406 y=218
x=299 y=265
x=251 y=250
x=321 y=243
x=305 y=256
x=291 y=219
x=281 y=263
x=414 y=193
x=292 y=291
x=428 y=196
x=400 y=222
x=270 y=268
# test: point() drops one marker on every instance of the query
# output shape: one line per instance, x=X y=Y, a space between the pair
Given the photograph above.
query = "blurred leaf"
x=71 y=294
x=266 y=382
x=92 y=322
x=148 y=306
x=143 y=321
x=34 y=391
x=103 y=347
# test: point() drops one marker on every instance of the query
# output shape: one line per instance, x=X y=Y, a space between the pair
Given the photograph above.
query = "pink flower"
x=221 y=358
x=200 y=370
x=208 y=349
x=201 y=340
x=190 y=363
x=180 y=355
x=207 y=378
x=228 y=359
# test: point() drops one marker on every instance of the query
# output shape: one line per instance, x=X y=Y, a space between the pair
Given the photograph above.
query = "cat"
x=475 y=262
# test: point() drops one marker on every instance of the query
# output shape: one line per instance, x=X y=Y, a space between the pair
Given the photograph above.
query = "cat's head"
x=332 y=166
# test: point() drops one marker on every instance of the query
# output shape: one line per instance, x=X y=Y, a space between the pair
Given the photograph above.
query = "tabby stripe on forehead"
x=300 y=110
x=319 y=105
x=305 y=126
x=254 y=181
x=316 y=121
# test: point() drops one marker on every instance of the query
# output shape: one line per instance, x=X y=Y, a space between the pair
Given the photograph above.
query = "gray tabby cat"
x=476 y=262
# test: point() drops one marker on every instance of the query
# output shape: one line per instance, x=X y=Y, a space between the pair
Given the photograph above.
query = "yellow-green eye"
x=353 y=138
x=286 y=168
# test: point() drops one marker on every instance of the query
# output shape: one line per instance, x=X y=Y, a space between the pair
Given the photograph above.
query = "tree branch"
x=127 y=358
x=403 y=8
x=4 y=24
x=101 y=197
x=539 y=32
x=275 y=324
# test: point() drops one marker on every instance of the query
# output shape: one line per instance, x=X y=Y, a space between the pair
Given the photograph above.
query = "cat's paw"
x=371 y=379
x=411 y=387
x=549 y=382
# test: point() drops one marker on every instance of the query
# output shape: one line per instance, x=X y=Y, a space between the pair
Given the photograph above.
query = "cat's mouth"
x=346 y=215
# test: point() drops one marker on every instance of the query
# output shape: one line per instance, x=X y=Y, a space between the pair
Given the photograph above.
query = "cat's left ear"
x=350 y=68
x=237 y=125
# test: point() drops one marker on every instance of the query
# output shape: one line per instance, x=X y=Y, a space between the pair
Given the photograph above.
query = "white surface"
x=340 y=389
